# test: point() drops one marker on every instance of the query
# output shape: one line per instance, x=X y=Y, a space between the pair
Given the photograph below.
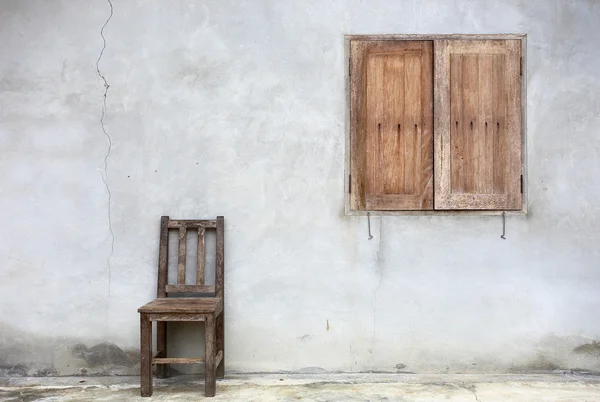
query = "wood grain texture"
x=163 y=255
x=192 y=223
x=146 y=355
x=201 y=257
x=210 y=352
x=350 y=196
x=514 y=123
x=220 y=292
x=220 y=339
x=178 y=360
x=183 y=305
x=164 y=309
x=391 y=125
x=190 y=288
x=166 y=317
x=219 y=360
x=477 y=125
x=485 y=139
x=181 y=258
x=220 y=258
x=525 y=180
x=357 y=125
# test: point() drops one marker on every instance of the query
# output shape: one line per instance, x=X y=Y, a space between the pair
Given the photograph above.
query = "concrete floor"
x=319 y=387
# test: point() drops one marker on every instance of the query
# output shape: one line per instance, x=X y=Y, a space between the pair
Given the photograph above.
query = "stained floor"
x=321 y=387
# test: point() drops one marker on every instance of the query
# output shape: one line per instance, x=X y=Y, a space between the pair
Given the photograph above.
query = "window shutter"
x=478 y=124
x=391 y=125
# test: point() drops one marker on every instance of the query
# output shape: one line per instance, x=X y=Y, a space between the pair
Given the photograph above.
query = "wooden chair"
x=164 y=309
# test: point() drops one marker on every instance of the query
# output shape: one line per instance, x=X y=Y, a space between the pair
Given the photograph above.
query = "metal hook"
x=369 y=224
x=503 y=225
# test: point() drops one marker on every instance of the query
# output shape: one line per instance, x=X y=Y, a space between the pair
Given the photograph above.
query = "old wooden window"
x=435 y=123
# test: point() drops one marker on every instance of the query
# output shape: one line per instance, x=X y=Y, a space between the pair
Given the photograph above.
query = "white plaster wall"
x=237 y=108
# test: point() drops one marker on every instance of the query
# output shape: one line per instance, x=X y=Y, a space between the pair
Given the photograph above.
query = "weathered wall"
x=237 y=109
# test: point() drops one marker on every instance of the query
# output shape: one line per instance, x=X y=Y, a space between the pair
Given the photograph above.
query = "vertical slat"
x=220 y=286
x=485 y=183
x=500 y=159
x=457 y=132
x=182 y=255
x=477 y=143
x=146 y=355
x=375 y=128
x=210 y=343
x=200 y=257
x=521 y=86
x=412 y=121
x=163 y=255
x=357 y=125
x=443 y=174
x=394 y=183
x=513 y=83
x=220 y=259
x=426 y=139
x=393 y=149
x=470 y=108
x=161 y=330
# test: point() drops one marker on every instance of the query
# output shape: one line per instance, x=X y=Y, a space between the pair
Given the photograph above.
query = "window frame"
x=416 y=37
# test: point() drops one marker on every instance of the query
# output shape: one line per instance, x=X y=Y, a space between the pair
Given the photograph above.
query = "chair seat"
x=183 y=305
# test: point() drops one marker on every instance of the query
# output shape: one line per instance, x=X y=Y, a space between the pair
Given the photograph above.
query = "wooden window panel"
x=478 y=125
x=391 y=125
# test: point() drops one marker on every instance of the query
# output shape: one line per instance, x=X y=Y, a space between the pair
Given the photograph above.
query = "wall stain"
x=105 y=353
x=19 y=370
x=592 y=349
x=46 y=372
x=304 y=338
x=540 y=364
x=400 y=366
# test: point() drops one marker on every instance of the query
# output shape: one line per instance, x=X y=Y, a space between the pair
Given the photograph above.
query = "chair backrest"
x=183 y=226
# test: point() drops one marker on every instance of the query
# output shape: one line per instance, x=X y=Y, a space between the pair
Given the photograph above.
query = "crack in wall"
x=380 y=269
x=108 y=151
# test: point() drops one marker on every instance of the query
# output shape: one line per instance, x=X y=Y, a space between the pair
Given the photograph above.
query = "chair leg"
x=162 y=370
x=146 y=354
x=210 y=343
x=221 y=343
